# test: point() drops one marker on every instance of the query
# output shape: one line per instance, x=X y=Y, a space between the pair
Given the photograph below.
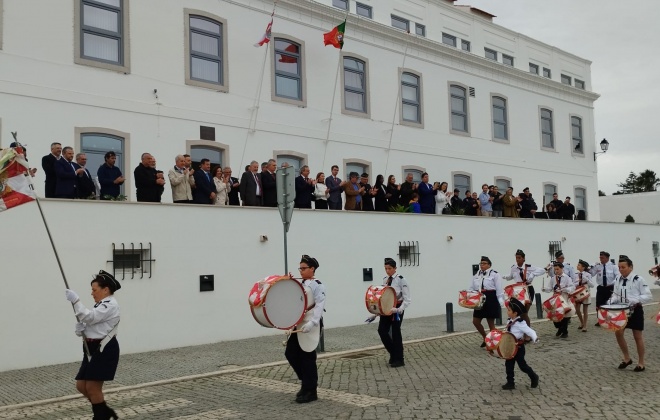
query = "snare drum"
x=581 y=294
x=471 y=299
x=613 y=317
x=518 y=291
x=557 y=308
x=279 y=302
x=508 y=346
x=380 y=300
x=492 y=339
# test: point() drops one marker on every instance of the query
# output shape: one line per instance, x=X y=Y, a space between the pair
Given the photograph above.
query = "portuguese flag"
x=336 y=36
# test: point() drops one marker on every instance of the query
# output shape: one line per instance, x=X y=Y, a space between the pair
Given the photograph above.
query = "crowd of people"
x=215 y=185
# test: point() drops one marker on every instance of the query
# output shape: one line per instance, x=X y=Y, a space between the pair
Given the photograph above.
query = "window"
x=449 y=39
x=215 y=155
x=547 y=138
x=533 y=68
x=295 y=161
x=131 y=260
x=459 y=115
x=357 y=167
x=420 y=29
x=205 y=46
x=416 y=174
x=579 y=84
x=288 y=77
x=500 y=129
x=502 y=184
x=580 y=199
x=400 y=23
x=507 y=59
x=101 y=35
x=547 y=73
x=491 y=54
x=465 y=45
x=566 y=79
x=462 y=182
x=411 y=98
x=342 y=4
x=96 y=145
x=576 y=135
x=548 y=191
x=355 y=91
x=364 y=10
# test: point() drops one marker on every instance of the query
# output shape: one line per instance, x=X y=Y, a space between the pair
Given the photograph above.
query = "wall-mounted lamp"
x=449 y=238
x=263 y=238
x=604 y=145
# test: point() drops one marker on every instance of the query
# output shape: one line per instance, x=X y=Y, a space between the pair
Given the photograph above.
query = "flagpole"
x=52 y=243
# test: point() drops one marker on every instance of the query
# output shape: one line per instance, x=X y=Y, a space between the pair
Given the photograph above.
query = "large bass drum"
x=279 y=302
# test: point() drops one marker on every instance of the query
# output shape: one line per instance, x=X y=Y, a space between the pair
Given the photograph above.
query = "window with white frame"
x=579 y=84
x=548 y=191
x=533 y=68
x=205 y=49
x=502 y=184
x=364 y=10
x=507 y=60
x=355 y=85
x=288 y=67
x=214 y=154
x=420 y=29
x=96 y=145
x=547 y=73
x=400 y=23
x=547 y=136
x=500 y=128
x=580 y=199
x=356 y=167
x=459 y=114
x=342 y=4
x=416 y=174
x=566 y=79
x=449 y=39
x=576 y=135
x=101 y=33
x=295 y=161
x=411 y=101
x=465 y=45
x=490 y=54
x=462 y=182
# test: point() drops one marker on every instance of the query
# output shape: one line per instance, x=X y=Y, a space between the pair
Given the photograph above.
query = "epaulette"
x=493 y=271
x=400 y=276
x=528 y=265
x=318 y=281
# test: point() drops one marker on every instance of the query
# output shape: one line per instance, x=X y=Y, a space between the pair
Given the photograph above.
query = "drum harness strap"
x=110 y=336
x=520 y=342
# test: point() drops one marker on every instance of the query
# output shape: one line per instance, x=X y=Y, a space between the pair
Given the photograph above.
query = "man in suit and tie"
x=85 y=187
x=233 y=193
x=205 y=190
x=269 y=184
x=48 y=165
x=251 y=189
x=335 y=186
x=304 y=189
x=66 y=174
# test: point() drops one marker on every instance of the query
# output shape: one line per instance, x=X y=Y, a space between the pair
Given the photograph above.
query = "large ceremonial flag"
x=265 y=39
x=14 y=185
x=336 y=36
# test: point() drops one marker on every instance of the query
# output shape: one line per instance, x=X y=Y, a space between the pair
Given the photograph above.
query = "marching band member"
x=568 y=268
x=304 y=362
x=99 y=326
x=519 y=329
x=488 y=282
x=521 y=272
x=605 y=272
x=583 y=278
x=631 y=289
x=561 y=283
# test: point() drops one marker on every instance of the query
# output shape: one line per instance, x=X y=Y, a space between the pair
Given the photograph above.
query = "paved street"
x=448 y=376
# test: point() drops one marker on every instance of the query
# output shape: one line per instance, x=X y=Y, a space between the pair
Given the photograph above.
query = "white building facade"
x=459 y=97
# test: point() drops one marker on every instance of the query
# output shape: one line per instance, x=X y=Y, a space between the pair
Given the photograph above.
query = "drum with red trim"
x=508 y=346
x=518 y=291
x=471 y=299
x=581 y=294
x=613 y=317
x=279 y=302
x=492 y=339
x=380 y=300
x=557 y=308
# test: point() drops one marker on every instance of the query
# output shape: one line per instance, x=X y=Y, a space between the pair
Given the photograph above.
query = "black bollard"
x=539 y=306
x=498 y=320
x=450 y=317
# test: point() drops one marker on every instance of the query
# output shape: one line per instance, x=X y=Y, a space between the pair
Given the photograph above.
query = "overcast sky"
x=622 y=40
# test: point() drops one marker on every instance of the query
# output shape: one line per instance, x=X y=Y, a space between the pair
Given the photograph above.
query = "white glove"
x=80 y=327
x=370 y=319
x=71 y=296
x=632 y=302
x=397 y=310
x=507 y=277
x=537 y=341
x=307 y=327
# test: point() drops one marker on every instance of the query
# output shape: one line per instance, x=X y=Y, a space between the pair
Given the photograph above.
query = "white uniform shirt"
x=530 y=273
x=611 y=270
x=491 y=280
x=635 y=291
x=519 y=328
x=101 y=319
x=566 y=285
x=401 y=288
x=318 y=291
x=569 y=270
x=586 y=280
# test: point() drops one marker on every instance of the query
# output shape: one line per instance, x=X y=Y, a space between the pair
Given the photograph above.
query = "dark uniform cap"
x=558 y=264
x=486 y=259
x=625 y=258
x=390 y=262
x=113 y=285
x=516 y=306
x=559 y=254
x=365 y=175
x=521 y=253
x=605 y=254
x=583 y=263
x=310 y=261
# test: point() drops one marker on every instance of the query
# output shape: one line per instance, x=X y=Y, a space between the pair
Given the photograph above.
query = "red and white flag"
x=14 y=184
x=265 y=39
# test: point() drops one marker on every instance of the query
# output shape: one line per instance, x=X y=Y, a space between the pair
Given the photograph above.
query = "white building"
x=460 y=97
x=643 y=207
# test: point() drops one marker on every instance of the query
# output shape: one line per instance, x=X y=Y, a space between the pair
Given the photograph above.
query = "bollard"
x=498 y=320
x=450 y=317
x=539 y=306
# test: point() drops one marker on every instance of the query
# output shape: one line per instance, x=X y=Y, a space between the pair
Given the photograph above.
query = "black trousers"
x=522 y=364
x=303 y=363
x=394 y=343
x=335 y=205
x=562 y=325
x=603 y=293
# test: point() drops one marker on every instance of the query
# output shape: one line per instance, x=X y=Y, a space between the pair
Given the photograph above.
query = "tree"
x=601 y=193
x=647 y=181
x=629 y=186
x=629 y=219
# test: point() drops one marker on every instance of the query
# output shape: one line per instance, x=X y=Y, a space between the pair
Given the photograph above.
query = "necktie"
x=604 y=275
x=207 y=176
x=522 y=274
x=580 y=275
x=389 y=280
x=557 y=285
x=624 y=281
x=508 y=325
x=256 y=179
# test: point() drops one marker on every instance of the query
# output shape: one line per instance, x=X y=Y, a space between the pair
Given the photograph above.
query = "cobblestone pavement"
x=448 y=377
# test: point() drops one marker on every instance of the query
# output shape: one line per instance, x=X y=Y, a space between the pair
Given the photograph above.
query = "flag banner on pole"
x=336 y=36
x=265 y=39
x=14 y=185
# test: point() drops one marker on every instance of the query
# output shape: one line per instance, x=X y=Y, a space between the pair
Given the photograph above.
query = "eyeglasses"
x=302 y=268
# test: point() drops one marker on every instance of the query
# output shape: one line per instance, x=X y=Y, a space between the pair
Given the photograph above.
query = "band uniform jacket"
x=529 y=270
x=400 y=286
x=490 y=280
x=611 y=271
x=635 y=291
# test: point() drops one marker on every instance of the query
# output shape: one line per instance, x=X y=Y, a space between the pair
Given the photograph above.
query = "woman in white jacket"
x=321 y=192
x=442 y=198
x=222 y=186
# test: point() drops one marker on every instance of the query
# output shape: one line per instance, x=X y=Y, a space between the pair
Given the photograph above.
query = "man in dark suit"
x=336 y=186
x=147 y=183
x=367 y=194
x=269 y=184
x=304 y=189
x=250 y=188
x=567 y=210
x=48 y=165
x=66 y=175
x=85 y=187
x=233 y=193
x=205 y=190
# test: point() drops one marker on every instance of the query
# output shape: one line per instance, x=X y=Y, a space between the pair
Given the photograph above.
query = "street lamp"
x=604 y=145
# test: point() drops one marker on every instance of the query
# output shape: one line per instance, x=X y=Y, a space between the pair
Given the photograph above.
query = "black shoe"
x=483 y=344
x=509 y=385
x=564 y=335
x=390 y=361
x=398 y=363
x=307 y=397
x=596 y=324
x=558 y=333
x=535 y=381
x=624 y=365
x=639 y=368
x=301 y=392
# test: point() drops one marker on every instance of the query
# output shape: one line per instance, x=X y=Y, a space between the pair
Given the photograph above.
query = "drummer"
x=521 y=272
x=519 y=329
x=488 y=282
x=631 y=288
x=304 y=362
x=561 y=283
x=605 y=273
x=582 y=278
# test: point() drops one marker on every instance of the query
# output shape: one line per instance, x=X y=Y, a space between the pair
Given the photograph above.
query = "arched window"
x=214 y=154
x=502 y=184
x=295 y=161
x=462 y=182
x=96 y=145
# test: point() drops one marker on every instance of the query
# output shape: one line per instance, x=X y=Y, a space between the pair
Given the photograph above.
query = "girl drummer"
x=488 y=282
x=561 y=283
x=98 y=326
x=519 y=328
x=582 y=278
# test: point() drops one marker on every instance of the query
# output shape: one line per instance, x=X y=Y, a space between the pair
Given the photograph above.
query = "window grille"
x=409 y=253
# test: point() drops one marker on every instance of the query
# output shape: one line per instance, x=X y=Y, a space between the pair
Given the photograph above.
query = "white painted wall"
x=643 y=207
x=167 y=310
